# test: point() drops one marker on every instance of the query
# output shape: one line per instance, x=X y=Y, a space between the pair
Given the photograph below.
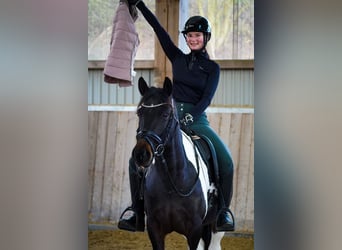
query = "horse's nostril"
x=142 y=158
x=142 y=153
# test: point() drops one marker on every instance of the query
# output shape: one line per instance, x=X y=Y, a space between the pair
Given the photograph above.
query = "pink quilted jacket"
x=123 y=46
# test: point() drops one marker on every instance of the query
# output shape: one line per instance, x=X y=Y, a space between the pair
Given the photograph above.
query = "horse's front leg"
x=156 y=235
x=194 y=238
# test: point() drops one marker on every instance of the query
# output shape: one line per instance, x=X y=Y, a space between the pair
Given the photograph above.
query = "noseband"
x=157 y=142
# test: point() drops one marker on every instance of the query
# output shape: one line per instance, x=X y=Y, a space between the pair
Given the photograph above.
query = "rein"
x=158 y=151
x=179 y=192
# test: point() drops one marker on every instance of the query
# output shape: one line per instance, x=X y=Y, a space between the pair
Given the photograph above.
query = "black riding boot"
x=225 y=219
x=136 y=221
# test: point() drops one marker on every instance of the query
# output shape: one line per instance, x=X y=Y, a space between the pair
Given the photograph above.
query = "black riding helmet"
x=198 y=24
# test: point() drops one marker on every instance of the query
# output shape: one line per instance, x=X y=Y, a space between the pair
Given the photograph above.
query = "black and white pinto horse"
x=177 y=182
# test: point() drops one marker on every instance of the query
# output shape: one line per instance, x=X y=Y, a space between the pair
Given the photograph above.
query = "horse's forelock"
x=154 y=96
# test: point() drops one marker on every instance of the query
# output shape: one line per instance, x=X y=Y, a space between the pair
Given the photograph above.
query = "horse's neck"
x=175 y=154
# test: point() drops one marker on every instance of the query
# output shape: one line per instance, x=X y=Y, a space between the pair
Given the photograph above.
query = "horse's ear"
x=168 y=86
x=142 y=85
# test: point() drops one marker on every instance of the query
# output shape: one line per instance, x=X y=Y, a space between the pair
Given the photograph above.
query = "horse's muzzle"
x=142 y=153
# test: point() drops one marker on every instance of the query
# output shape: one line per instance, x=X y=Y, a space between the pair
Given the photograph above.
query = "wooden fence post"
x=167 y=12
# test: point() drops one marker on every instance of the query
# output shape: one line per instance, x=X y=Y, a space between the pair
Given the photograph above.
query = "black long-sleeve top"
x=195 y=76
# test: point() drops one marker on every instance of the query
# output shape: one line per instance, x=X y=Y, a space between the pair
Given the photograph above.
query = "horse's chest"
x=164 y=203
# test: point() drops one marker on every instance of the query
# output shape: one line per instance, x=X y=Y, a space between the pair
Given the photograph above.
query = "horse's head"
x=156 y=119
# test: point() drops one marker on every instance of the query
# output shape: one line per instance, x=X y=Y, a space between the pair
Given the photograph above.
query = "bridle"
x=157 y=143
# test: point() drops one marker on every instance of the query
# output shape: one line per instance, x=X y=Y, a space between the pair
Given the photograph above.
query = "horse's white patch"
x=215 y=243
x=203 y=175
x=212 y=189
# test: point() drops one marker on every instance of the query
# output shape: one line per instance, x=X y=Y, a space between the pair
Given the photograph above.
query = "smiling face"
x=195 y=40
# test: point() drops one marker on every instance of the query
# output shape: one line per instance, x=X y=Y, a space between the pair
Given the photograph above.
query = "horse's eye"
x=165 y=115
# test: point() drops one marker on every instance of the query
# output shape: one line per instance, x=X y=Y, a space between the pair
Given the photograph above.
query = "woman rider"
x=195 y=79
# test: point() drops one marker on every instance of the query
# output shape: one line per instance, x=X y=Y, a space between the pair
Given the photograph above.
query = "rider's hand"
x=187 y=120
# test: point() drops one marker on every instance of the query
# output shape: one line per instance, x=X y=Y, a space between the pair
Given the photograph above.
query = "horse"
x=177 y=185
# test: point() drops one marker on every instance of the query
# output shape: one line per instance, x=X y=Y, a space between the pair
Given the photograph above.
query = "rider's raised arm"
x=165 y=40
